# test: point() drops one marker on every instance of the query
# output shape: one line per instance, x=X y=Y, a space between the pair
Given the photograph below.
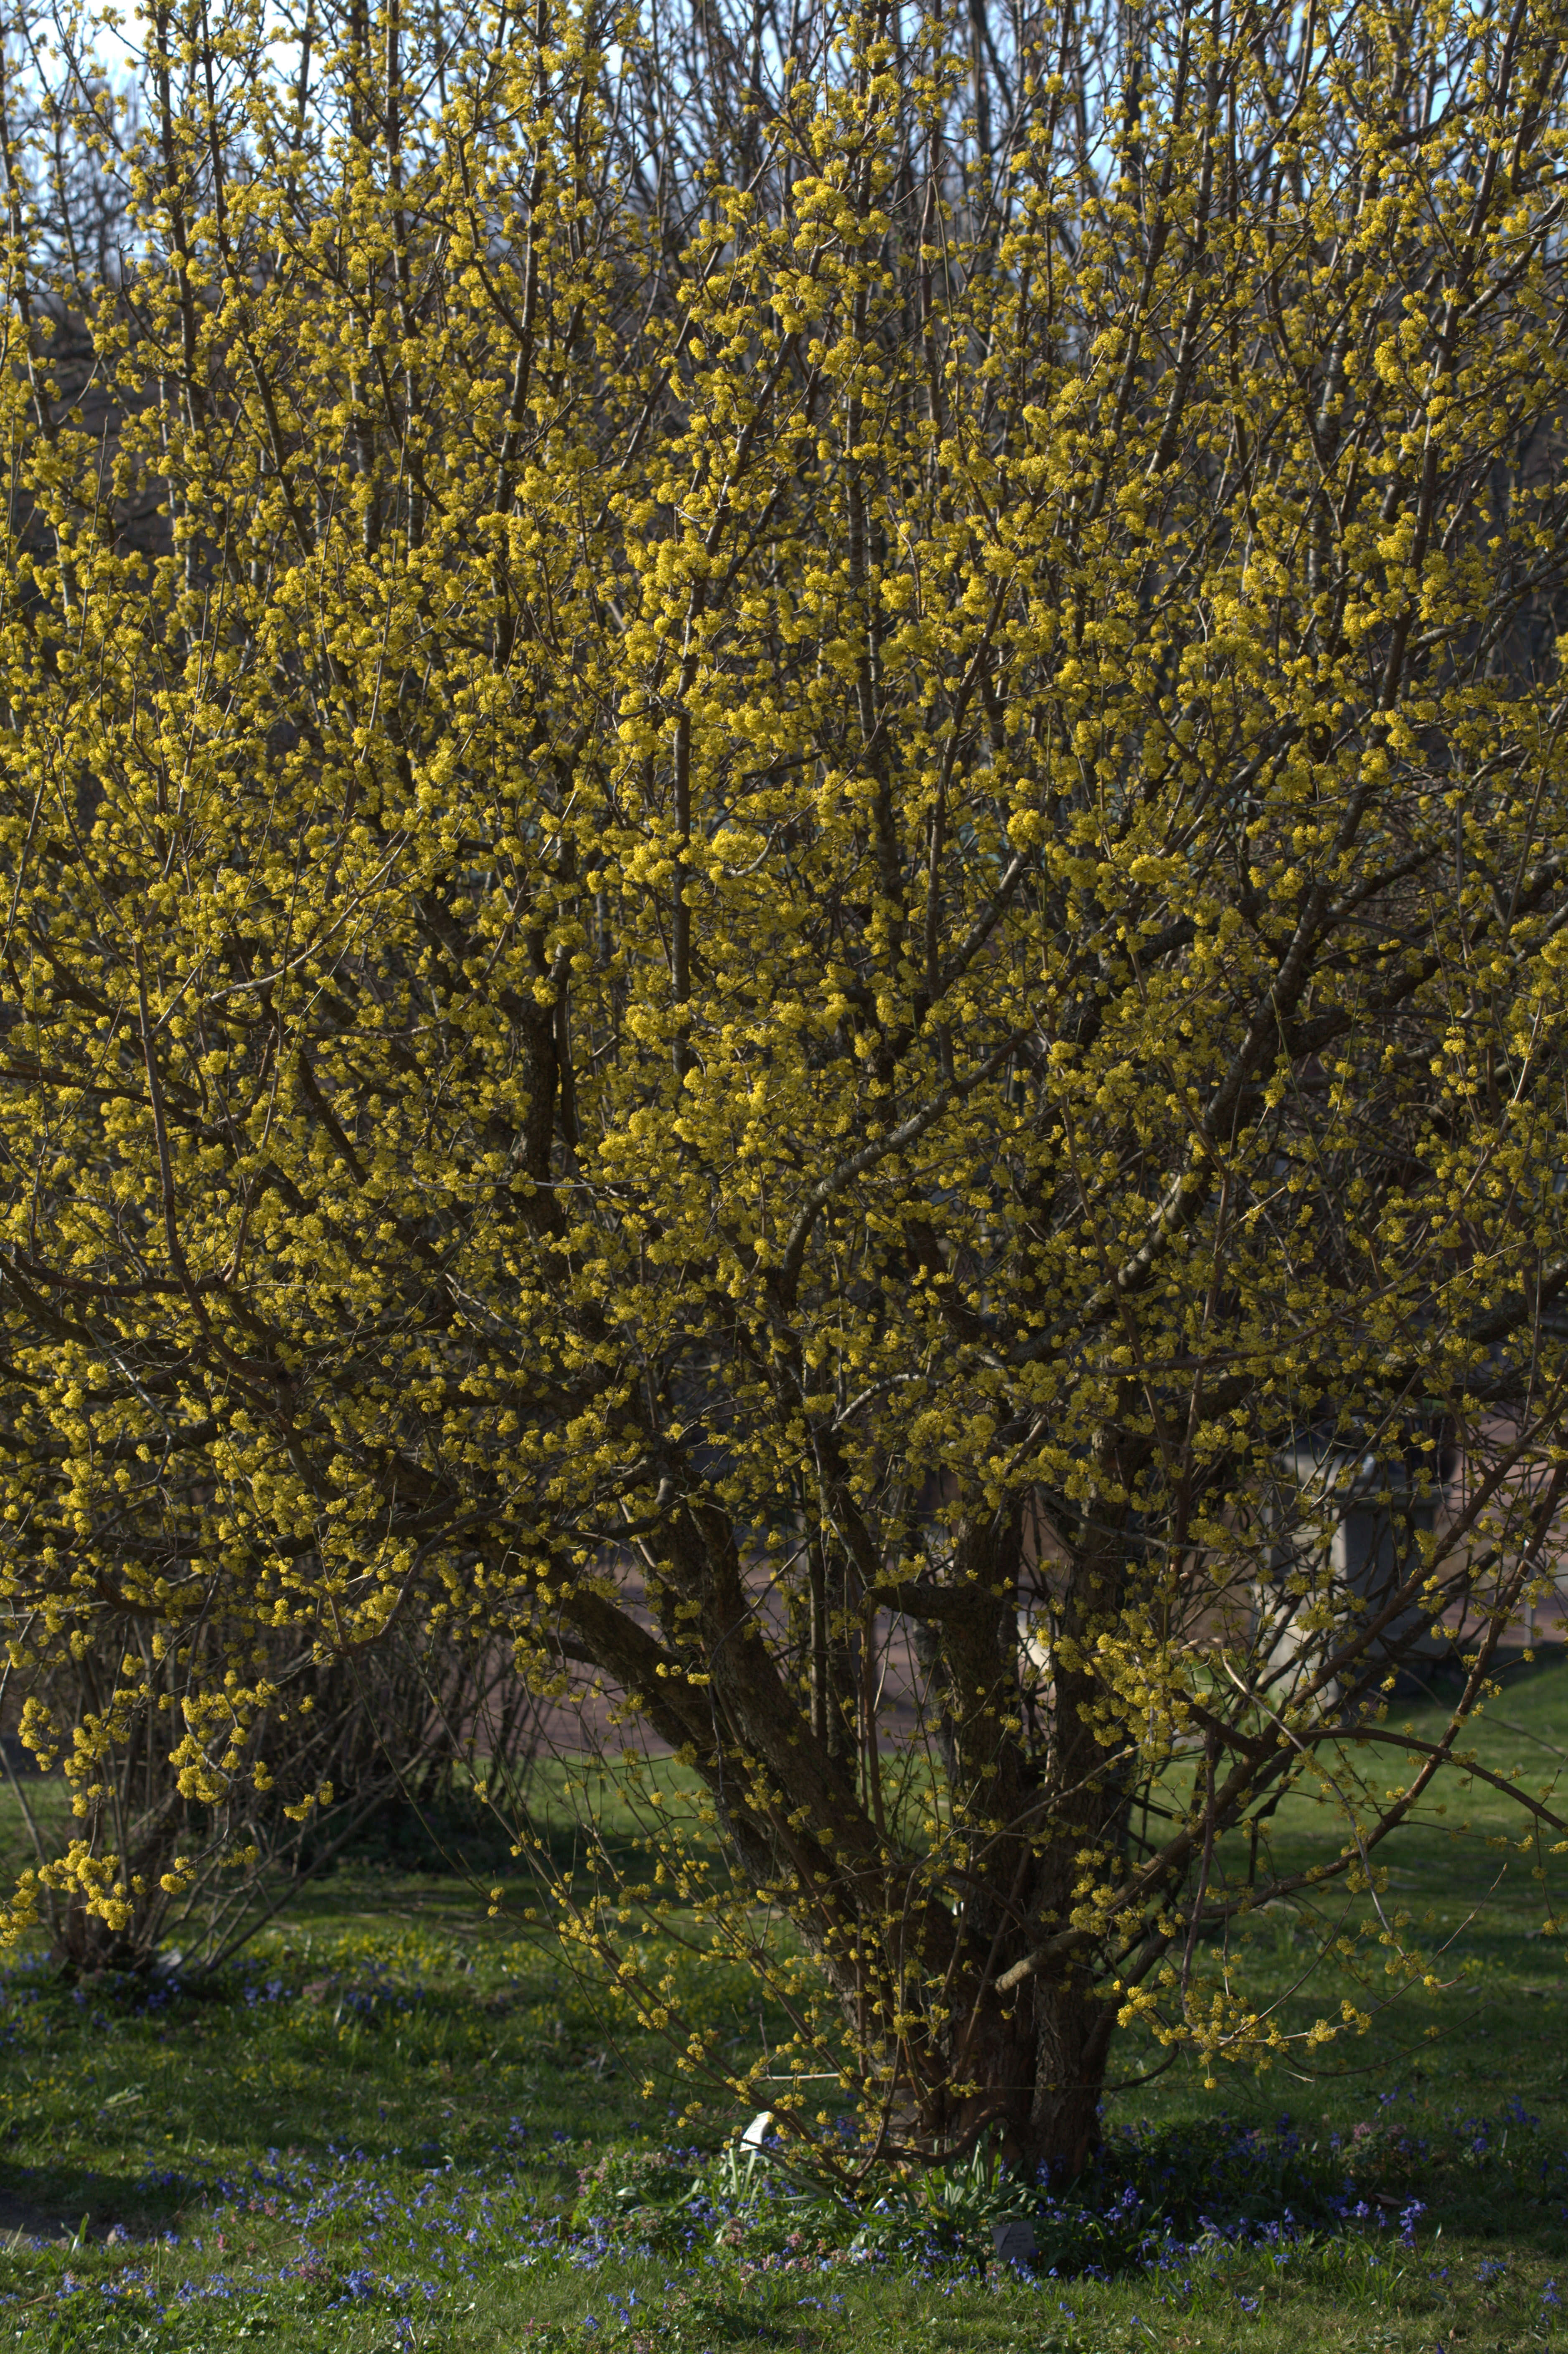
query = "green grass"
x=301 y=2167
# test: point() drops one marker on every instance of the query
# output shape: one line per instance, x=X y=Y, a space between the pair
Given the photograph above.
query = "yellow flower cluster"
x=786 y=860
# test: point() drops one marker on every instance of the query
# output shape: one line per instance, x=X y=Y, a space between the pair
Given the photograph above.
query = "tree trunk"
x=1071 y=2037
x=1032 y=2069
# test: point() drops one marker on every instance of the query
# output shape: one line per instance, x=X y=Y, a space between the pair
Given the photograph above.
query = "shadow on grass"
x=69 y=2203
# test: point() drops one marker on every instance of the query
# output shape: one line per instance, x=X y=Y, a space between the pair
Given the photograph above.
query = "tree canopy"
x=785 y=834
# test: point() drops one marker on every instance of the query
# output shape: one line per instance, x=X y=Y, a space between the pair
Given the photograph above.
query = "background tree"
x=785 y=814
x=371 y=1755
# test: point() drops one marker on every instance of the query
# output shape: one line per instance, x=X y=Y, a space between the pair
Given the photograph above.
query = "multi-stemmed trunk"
x=1000 y=2042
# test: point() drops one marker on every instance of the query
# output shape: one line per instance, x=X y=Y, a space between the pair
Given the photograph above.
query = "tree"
x=784 y=807
x=374 y=1751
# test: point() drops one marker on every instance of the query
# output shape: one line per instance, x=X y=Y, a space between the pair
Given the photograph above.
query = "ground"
x=399 y=2123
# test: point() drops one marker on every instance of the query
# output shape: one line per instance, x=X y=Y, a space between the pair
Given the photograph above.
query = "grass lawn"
x=397 y=2123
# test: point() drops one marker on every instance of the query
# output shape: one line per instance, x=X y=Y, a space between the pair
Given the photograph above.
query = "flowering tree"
x=785 y=825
